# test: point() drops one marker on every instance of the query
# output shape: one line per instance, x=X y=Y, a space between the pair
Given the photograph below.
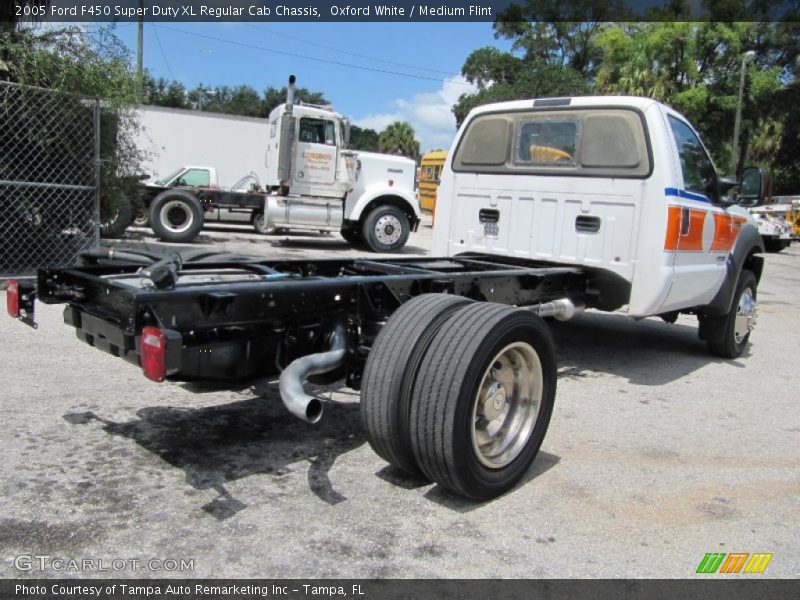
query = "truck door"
x=316 y=156
x=698 y=232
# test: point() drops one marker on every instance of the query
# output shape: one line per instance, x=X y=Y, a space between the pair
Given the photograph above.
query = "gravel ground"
x=657 y=453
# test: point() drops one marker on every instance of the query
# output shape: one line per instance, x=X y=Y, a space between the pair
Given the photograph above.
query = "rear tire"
x=260 y=224
x=483 y=399
x=141 y=217
x=732 y=332
x=391 y=370
x=176 y=216
x=116 y=213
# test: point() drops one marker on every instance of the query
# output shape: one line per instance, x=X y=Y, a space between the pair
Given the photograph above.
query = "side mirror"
x=755 y=184
x=723 y=186
x=347 y=132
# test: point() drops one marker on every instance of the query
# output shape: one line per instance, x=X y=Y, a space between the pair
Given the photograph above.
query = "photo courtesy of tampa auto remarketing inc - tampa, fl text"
x=399 y=300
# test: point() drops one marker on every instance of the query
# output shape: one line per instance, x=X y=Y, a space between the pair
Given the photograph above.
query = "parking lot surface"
x=657 y=454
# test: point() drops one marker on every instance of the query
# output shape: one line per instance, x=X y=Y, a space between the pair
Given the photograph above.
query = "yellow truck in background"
x=430 y=168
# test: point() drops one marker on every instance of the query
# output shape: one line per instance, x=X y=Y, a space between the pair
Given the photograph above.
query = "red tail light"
x=12 y=298
x=154 y=353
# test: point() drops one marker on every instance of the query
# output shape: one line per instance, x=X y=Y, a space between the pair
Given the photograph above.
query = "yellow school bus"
x=430 y=169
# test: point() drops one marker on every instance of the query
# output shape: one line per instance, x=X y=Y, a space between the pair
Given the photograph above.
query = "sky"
x=375 y=73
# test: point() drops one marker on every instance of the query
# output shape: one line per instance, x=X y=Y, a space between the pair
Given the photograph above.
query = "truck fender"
x=748 y=244
x=401 y=198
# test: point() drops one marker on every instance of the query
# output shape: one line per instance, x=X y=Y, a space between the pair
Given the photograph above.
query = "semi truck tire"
x=728 y=335
x=483 y=399
x=176 y=216
x=775 y=244
x=260 y=223
x=386 y=229
x=352 y=237
x=141 y=216
x=390 y=373
x=116 y=213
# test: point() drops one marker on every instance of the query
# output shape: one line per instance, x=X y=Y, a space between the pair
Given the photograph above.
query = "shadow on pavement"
x=647 y=352
x=218 y=444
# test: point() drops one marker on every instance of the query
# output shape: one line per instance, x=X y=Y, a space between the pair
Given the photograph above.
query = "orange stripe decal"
x=693 y=238
x=726 y=230
x=673 y=228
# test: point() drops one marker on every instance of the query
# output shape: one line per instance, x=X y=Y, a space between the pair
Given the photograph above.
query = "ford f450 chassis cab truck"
x=313 y=182
x=546 y=208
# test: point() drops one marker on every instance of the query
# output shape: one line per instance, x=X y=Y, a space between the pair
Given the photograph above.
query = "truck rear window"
x=600 y=142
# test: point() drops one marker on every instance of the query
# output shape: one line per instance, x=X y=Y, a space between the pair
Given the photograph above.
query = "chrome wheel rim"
x=388 y=229
x=507 y=405
x=140 y=217
x=261 y=223
x=745 y=319
x=176 y=216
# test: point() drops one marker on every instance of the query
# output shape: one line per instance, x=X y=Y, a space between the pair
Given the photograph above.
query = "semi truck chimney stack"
x=290 y=90
x=287 y=141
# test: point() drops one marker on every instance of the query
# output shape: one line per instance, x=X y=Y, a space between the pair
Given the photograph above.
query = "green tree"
x=273 y=97
x=364 y=139
x=398 y=138
x=692 y=66
x=160 y=92
x=72 y=62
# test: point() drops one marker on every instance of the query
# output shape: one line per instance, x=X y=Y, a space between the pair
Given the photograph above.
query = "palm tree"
x=398 y=138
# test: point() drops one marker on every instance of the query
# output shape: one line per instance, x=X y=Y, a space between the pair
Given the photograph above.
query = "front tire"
x=386 y=229
x=732 y=332
x=176 y=216
x=391 y=370
x=483 y=399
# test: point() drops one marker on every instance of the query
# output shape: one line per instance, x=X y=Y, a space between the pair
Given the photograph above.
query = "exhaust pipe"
x=291 y=381
x=285 y=157
x=290 y=90
x=563 y=309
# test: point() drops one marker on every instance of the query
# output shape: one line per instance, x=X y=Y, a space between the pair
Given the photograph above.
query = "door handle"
x=489 y=215
x=587 y=223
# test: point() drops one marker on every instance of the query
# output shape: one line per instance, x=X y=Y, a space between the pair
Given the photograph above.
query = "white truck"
x=312 y=182
x=770 y=215
x=546 y=208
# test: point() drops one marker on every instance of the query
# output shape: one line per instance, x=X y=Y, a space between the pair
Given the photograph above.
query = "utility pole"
x=748 y=56
x=140 y=53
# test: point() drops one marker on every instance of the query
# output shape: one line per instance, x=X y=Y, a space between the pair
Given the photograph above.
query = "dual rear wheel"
x=460 y=392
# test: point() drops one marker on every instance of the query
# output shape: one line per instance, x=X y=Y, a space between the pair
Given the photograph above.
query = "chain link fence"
x=49 y=161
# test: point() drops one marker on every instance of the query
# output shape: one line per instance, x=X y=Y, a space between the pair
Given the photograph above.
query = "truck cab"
x=315 y=138
x=622 y=186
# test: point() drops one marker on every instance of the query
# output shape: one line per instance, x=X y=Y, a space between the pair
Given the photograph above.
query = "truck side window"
x=317 y=131
x=698 y=170
x=485 y=143
x=547 y=142
x=195 y=178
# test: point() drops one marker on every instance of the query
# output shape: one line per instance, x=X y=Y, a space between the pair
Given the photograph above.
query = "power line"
x=163 y=55
x=312 y=58
x=334 y=49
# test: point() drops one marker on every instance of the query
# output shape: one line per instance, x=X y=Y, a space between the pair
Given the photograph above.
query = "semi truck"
x=312 y=182
x=452 y=354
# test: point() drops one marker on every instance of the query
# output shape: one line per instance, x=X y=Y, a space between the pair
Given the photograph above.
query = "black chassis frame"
x=208 y=197
x=235 y=330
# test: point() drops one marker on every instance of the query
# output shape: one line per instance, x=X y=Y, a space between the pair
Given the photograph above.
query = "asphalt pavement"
x=657 y=454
